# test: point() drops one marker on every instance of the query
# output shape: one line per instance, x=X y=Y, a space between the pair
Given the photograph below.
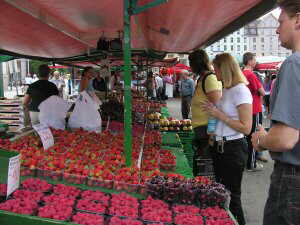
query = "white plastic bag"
x=85 y=114
x=53 y=112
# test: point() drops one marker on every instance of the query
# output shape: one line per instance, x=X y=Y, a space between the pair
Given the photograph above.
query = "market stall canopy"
x=60 y=29
x=5 y=58
x=269 y=62
x=177 y=69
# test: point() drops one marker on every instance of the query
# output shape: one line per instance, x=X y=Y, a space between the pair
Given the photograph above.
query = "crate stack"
x=11 y=113
x=186 y=139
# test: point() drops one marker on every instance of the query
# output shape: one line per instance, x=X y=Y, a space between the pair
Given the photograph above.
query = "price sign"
x=45 y=135
x=13 y=178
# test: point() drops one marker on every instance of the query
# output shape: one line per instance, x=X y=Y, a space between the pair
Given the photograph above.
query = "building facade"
x=263 y=39
x=236 y=43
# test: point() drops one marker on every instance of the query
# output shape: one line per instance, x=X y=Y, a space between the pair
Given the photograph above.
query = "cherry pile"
x=199 y=191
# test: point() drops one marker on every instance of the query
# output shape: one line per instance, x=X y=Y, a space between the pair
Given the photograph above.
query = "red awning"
x=58 y=67
x=177 y=69
x=57 y=29
x=268 y=66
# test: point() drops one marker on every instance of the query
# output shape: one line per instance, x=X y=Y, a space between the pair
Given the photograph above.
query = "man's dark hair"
x=85 y=70
x=199 y=61
x=248 y=56
x=44 y=71
x=292 y=7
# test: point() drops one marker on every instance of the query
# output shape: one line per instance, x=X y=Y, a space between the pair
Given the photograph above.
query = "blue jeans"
x=283 y=204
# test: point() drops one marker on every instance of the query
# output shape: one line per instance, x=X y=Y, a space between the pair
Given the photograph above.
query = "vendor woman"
x=37 y=92
x=86 y=83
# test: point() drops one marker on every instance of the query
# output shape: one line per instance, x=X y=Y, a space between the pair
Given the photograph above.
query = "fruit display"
x=87 y=207
x=199 y=191
x=171 y=124
x=97 y=160
x=112 y=109
x=157 y=121
x=88 y=219
x=167 y=160
x=3 y=189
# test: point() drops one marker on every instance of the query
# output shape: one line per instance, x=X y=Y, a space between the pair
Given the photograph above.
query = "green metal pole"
x=1 y=81
x=127 y=85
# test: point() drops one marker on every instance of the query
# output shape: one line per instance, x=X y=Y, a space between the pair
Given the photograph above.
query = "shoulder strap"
x=204 y=79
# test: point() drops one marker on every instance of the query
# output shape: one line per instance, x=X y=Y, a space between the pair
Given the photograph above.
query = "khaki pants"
x=34 y=117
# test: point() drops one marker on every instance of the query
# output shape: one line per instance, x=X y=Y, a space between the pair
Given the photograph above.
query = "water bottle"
x=211 y=126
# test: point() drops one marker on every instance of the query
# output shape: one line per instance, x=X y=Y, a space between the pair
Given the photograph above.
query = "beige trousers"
x=34 y=117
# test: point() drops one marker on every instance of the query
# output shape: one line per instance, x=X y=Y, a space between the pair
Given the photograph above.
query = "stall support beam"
x=139 y=9
x=127 y=84
x=1 y=81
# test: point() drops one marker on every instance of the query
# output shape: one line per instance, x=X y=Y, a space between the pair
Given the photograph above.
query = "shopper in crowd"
x=282 y=140
x=100 y=86
x=207 y=88
x=86 y=82
x=267 y=87
x=59 y=82
x=150 y=85
x=234 y=115
x=115 y=81
x=187 y=92
x=273 y=78
x=37 y=92
x=257 y=92
x=159 y=85
x=168 y=80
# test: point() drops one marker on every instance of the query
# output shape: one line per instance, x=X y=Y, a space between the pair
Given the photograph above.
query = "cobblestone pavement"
x=255 y=184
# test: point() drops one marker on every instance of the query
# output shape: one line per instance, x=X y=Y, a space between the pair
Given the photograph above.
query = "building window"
x=245 y=39
x=239 y=48
x=225 y=40
x=262 y=40
x=254 y=40
x=238 y=40
x=263 y=54
x=211 y=48
x=245 y=47
x=225 y=48
x=262 y=47
x=238 y=32
x=231 y=47
x=254 y=47
x=232 y=40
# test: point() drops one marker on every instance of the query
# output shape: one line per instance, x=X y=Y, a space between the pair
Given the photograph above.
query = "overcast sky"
x=276 y=12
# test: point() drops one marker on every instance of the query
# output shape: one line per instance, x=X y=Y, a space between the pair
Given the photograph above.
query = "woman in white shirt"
x=234 y=115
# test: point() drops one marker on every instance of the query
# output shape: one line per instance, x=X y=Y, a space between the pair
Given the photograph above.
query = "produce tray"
x=8 y=218
x=182 y=166
x=165 y=112
x=189 y=153
x=170 y=139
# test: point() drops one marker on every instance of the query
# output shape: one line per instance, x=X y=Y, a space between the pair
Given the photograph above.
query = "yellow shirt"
x=199 y=117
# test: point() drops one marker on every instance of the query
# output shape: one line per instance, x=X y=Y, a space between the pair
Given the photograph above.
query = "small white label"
x=13 y=178
x=45 y=135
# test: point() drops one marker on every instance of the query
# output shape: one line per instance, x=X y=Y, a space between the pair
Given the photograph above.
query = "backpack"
x=204 y=79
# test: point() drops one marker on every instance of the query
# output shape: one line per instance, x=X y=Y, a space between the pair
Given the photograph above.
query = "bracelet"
x=227 y=120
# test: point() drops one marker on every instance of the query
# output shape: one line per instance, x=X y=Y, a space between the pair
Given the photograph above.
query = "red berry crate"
x=96 y=182
x=131 y=188
x=26 y=171
x=74 y=179
x=49 y=174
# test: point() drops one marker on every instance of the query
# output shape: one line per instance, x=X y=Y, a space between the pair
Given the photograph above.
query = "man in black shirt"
x=100 y=86
x=37 y=92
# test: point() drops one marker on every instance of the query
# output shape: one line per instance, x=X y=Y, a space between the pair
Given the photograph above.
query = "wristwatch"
x=258 y=144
